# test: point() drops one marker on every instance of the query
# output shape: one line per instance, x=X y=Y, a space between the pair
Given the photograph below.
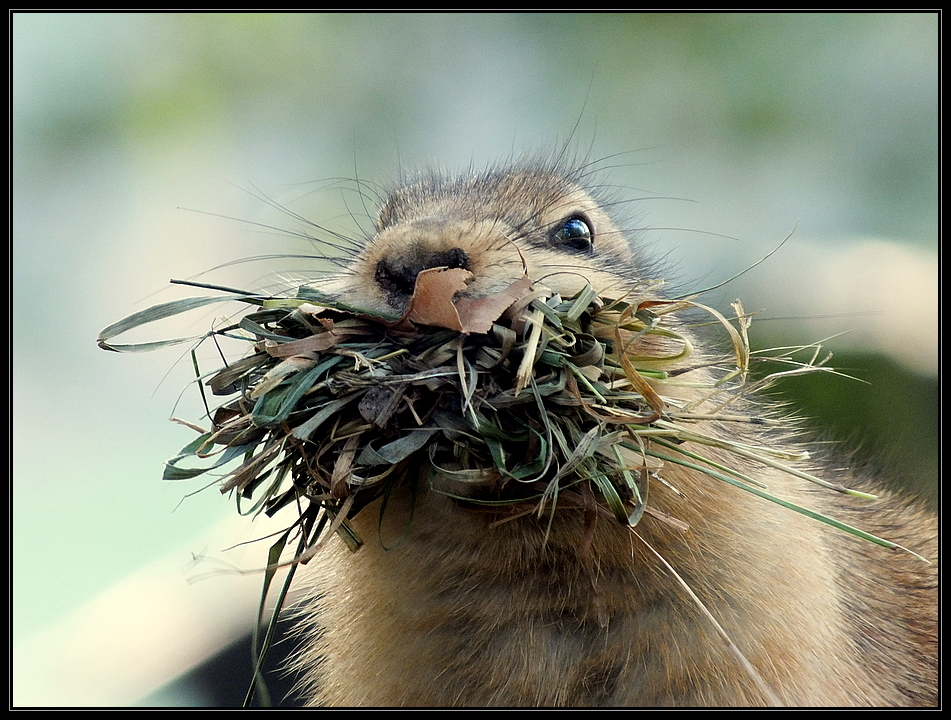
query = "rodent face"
x=499 y=226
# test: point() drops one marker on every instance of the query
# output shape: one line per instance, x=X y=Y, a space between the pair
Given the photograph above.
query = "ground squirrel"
x=466 y=611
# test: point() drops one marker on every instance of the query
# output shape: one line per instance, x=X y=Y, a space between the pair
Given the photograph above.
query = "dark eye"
x=575 y=234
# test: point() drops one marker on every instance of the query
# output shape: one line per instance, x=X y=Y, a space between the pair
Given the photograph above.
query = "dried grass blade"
x=526 y=367
x=832 y=522
x=750 y=670
x=154 y=314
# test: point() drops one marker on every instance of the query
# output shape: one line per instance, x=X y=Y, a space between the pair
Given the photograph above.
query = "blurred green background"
x=733 y=128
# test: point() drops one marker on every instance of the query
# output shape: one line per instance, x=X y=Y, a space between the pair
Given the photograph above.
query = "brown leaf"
x=431 y=303
x=434 y=301
x=477 y=316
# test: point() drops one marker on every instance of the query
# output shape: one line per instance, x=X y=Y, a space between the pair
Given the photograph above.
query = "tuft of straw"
x=521 y=401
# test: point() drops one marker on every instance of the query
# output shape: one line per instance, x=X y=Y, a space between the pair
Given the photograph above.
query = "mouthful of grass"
x=522 y=402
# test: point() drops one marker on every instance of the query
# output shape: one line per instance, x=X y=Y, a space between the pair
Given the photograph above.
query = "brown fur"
x=461 y=612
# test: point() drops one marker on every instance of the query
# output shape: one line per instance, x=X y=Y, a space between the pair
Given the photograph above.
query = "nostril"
x=397 y=275
x=455 y=258
x=395 y=278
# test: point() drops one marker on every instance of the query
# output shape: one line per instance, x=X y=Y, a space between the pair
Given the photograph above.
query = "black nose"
x=397 y=275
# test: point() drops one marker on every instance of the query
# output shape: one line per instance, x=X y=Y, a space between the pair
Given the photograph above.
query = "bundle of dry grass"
x=522 y=400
